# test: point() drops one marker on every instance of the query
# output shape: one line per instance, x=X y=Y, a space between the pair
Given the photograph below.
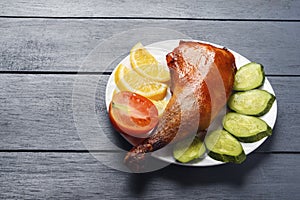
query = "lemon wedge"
x=127 y=79
x=146 y=65
x=160 y=105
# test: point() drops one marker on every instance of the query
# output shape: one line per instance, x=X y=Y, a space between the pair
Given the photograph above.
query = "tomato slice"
x=133 y=114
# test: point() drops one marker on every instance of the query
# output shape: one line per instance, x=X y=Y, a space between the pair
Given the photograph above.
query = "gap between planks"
x=153 y=18
x=102 y=73
x=106 y=151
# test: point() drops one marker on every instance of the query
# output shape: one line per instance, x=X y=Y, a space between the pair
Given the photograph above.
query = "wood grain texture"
x=80 y=176
x=36 y=113
x=62 y=45
x=43 y=157
x=237 y=9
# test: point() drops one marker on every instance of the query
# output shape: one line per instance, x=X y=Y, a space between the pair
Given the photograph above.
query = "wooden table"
x=42 y=47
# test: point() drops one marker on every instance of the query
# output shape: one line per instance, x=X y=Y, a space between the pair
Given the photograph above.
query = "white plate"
x=166 y=46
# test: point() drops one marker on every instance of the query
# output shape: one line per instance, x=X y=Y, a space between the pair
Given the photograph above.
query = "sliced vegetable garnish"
x=253 y=102
x=246 y=128
x=222 y=146
x=249 y=76
x=133 y=114
x=188 y=150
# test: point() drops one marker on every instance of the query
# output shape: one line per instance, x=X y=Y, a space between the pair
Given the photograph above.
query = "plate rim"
x=109 y=93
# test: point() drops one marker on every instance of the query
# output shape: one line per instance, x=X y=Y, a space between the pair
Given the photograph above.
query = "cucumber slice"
x=224 y=147
x=253 y=102
x=249 y=76
x=188 y=150
x=246 y=128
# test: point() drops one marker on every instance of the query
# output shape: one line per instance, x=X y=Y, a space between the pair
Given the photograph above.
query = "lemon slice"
x=160 y=105
x=127 y=79
x=146 y=65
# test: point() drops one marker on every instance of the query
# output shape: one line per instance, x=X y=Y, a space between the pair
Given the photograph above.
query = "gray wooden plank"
x=36 y=113
x=237 y=9
x=80 y=176
x=63 y=45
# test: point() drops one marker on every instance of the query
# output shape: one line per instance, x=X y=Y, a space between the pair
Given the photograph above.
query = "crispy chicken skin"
x=202 y=78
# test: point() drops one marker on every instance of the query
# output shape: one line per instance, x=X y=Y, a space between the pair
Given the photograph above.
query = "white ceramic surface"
x=159 y=51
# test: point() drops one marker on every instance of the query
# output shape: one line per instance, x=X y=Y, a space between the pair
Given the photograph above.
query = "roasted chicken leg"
x=202 y=78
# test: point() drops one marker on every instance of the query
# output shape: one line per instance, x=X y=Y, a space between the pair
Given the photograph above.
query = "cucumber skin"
x=224 y=157
x=262 y=83
x=254 y=138
x=227 y=158
x=266 y=110
x=269 y=106
x=264 y=77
